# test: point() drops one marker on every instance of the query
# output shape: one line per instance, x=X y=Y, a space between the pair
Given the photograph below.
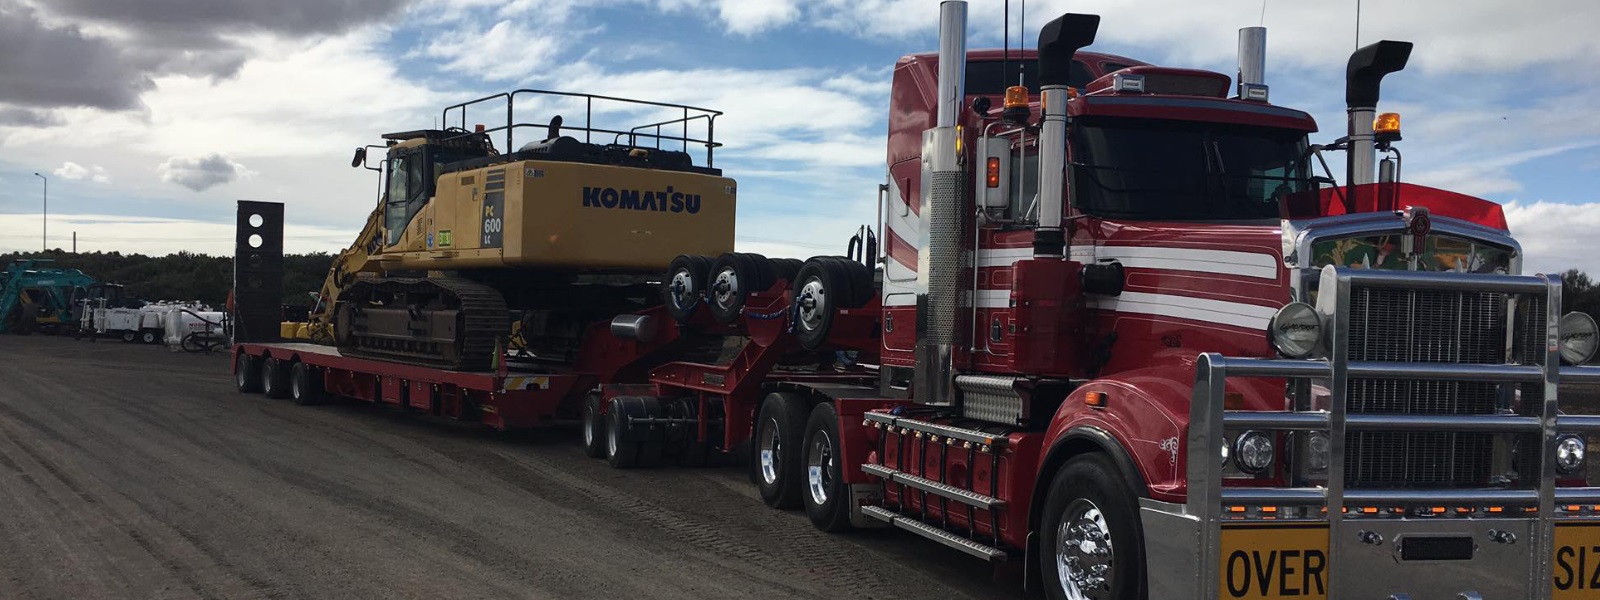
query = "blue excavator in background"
x=35 y=297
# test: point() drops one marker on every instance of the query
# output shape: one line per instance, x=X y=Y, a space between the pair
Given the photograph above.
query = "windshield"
x=1151 y=169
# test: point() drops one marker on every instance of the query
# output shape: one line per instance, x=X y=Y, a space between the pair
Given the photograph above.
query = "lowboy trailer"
x=1121 y=341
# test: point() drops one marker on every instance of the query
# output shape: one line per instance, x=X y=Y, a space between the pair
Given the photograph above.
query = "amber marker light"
x=1095 y=399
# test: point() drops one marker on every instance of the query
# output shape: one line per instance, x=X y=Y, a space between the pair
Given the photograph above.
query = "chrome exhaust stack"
x=1059 y=40
x=1363 y=81
x=1253 y=64
x=945 y=200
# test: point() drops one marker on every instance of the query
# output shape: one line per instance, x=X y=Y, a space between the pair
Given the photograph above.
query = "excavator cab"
x=412 y=169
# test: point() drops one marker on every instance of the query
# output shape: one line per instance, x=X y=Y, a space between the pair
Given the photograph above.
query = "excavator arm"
x=360 y=257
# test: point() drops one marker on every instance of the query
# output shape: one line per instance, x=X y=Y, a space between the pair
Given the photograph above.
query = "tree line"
x=183 y=276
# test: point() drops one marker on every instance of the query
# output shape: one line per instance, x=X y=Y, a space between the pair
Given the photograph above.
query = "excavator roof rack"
x=673 y=124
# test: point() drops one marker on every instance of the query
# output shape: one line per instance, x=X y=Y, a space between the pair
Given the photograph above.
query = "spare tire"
x=786 y=268
x=733 y=277
x=817 y=291
x=685 y=285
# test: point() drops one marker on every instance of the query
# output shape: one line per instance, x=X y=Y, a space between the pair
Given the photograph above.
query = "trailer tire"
x=817 y=291
x=685 y=285
x=594 y=427
x=274 y=379
x=246 y=374
x=1088 y=498
x=623 y=448
x=739 y=274
x=777 y=447
x=305 y=384
x=827 y=496
x=149 y=336
x=786 y=268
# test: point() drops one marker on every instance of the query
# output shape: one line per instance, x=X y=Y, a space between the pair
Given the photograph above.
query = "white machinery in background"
x=176 y=324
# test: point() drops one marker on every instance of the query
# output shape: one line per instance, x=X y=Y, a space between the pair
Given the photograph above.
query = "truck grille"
x=1402 y=325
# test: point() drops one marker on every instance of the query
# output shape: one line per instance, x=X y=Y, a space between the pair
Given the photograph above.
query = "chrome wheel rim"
x=1083 y=552
x=682 y=287
x=725 y=288
x=613 y=434
x=239 y=367
x=819 y=467
x=770 y=446
x=813 y=301
x=588 y=425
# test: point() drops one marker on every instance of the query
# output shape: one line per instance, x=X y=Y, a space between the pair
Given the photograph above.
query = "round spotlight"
x=1579 y=337
x=1570 y=450
x=1253 y=452
x=1296 y=331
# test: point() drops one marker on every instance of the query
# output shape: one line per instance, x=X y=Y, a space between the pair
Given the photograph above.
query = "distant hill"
x=185 y=276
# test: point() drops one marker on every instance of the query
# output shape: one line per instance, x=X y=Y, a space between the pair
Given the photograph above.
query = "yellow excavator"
x=472 y=246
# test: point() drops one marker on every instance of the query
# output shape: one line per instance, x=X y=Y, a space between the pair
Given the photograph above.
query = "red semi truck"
x=1122 y=338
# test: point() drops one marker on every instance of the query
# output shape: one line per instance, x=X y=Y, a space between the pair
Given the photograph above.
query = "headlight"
x=1569 y=454
x=1578 y=337
x=1317 y=449
x=1253 y=452
x=1296 y=331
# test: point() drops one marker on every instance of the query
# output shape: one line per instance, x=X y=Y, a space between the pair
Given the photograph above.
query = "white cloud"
x=1555 y=237
x=508 y=50
x=76 y=172
x=748 y=17
x=199 y=173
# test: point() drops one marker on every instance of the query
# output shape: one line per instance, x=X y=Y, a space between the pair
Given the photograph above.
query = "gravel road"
x=129 y=471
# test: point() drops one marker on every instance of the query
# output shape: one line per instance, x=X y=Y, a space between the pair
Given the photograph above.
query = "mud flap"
x=865 y=494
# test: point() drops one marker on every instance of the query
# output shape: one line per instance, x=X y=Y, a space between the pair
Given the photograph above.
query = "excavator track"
x=445 y=322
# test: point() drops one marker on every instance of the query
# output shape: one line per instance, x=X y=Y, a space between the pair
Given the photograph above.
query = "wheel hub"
x=770 y=447
x=725 y=288
x=1083 y=552
x=813 y=301
x=683 y=291
x=819 y=467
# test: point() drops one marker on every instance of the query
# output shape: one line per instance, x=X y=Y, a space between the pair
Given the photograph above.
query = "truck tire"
x=684 y=288
x=246 y=374
x=624 y=448
x=786 y=268
x=779 y=433
x=1090 y=519
x=149 y=336
x=305 y=384
x=274 y=379
x=827 y=496
x=732 y=278
x=129 y=337
x=594 y=427
x=817 y=290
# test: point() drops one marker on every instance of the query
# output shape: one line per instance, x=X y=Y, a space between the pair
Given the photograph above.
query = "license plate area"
x=1435 y=547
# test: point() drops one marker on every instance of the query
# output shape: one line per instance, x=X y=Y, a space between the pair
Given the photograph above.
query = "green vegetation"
x=185 y=275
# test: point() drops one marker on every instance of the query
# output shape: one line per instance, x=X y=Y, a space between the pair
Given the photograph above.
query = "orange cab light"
x=477 y=128
x=1269 y=509
x=1095 y=399
x=1236 y=509
x=1016 y=96
x=1496 y=509
x=1464 y=510
x=1369 y=510
x=1438 y=510
x=1386 y=123
x=992 y=179
x=1574 y=508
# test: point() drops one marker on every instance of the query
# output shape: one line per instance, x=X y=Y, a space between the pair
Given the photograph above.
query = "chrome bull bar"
x=1208 y=499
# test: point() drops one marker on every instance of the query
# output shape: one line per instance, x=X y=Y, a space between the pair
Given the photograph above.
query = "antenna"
x=1005 y=60
x=1263 y=22
x=1023 y=44
x=1358 y=24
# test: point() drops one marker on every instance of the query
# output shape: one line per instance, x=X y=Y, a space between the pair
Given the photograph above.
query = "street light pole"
x=46 y=232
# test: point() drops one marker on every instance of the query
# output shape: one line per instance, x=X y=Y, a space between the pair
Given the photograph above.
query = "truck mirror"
x=360 y=159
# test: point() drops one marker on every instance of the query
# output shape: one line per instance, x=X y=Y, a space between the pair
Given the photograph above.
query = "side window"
x=398 y=192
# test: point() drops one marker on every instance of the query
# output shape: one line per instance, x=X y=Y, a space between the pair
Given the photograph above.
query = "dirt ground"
x=130 y=471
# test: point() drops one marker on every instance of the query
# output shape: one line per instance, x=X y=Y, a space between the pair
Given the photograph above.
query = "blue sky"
x=260 y=106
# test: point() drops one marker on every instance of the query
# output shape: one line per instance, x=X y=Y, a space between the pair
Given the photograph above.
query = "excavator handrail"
x=588 y=124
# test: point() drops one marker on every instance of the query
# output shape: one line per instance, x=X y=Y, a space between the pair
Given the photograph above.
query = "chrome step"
x=934 y=533
x=933 y=487
x=954 y=433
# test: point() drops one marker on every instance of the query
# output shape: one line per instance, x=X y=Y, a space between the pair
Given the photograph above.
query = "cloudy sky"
x=150 y=117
